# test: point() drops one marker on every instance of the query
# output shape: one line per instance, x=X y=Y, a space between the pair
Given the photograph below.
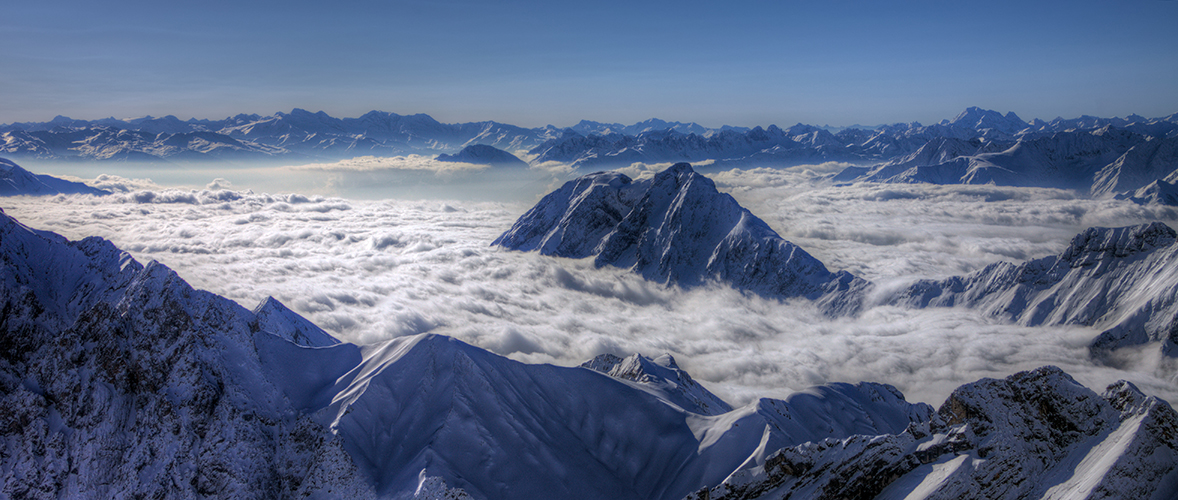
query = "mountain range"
x=1102 y=157
x=303 y=133
x=121 y=380
x=678 y=229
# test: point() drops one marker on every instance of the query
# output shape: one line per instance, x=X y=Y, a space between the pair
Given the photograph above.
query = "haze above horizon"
x=536 y=63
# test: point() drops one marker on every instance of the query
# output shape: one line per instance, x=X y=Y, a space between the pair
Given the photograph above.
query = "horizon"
x=689 y=122
x=532 y=64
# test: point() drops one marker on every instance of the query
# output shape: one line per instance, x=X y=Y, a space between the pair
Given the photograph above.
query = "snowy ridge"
x=1158 y=192
x=663 y=378
x=1102 y=162
x=676 y=229
x=1124 y=280
x=273 y=317
x=1036 y=434
x=414 y=406
x=16 y=181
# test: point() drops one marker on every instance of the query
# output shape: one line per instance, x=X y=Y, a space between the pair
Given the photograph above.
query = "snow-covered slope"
x=1156 y=192
x=1124 y=280
x=433 y=406
x=120 y=380
x=1036 y=434
x=1103 y=162
x=15 y=181
x=482 y=154
x=1065 y=160
x=273 y=317
x=676 y=229
x=1142 y=164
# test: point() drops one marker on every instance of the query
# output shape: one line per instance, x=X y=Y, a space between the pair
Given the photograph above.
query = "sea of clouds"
x=372 y=270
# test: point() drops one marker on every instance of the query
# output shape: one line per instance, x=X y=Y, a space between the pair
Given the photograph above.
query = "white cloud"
x=219 y=184
x=379 y=163
x=368 y=270
x=114 y=183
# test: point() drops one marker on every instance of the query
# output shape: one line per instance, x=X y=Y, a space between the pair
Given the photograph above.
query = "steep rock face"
x=1036 y=434
x=676 y=229
x=118 y=379
x=1124 y=280
x=15 y=181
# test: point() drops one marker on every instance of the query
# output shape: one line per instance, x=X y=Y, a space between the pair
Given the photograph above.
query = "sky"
x=533 y=63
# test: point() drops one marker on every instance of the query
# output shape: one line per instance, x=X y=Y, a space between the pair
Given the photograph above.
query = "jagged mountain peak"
x=274 y=317
x=663 y=377
x=1099 y=243
x=980 y=119
x=676 y=228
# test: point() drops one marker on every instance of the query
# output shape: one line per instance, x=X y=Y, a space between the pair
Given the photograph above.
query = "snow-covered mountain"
x=1035 y=434
x=1102 y=162
x=16 y=181
x=482 y=154
x=120 y=380
x=587 y=127
x=676 y=228
x=1123 y=280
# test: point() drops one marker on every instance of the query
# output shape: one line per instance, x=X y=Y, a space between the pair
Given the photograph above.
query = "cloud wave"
x=370 y=270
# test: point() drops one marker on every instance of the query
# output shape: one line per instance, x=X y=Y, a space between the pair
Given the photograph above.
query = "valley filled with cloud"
x=372 y=270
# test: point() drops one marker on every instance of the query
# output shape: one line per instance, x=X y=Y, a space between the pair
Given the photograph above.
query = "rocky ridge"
x=1122 y=280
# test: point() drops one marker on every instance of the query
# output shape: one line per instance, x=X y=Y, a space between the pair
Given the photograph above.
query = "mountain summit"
x=677 y=229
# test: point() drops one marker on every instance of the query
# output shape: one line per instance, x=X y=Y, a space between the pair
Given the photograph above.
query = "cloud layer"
x=370 y=270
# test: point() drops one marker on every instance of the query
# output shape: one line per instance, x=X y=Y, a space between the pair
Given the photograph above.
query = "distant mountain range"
x=1097 y=156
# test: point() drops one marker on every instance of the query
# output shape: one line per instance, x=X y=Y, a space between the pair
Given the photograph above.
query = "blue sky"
x=533 y=63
